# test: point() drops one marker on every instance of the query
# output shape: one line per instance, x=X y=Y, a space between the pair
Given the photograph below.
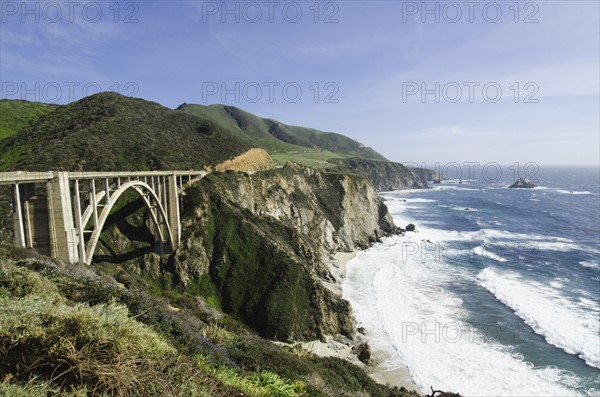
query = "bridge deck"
x=10 y=178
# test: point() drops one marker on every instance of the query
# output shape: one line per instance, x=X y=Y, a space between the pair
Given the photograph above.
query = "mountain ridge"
x=109 y=131
x=277 y=136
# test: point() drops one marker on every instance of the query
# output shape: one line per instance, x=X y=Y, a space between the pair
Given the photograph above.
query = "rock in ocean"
x=522 y=183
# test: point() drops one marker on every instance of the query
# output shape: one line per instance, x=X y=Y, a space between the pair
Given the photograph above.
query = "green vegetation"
x=258 y=282
x=73 y=331
x=313 y=159
x=111 y=132
x=191 y=323
x=303 y=145
x=17 y=114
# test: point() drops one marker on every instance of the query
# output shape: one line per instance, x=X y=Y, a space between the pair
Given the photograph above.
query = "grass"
x=277 y=137
x=42 y=334
x=313 y=159
x=17 y=114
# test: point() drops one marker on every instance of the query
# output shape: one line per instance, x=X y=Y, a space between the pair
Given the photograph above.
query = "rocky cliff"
x=384 y=175
x=265 y=241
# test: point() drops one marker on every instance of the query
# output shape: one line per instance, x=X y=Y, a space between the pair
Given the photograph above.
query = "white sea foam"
x=452 y=187
x=487 y=252
x=420 y=200
x=573 y=192
x=593 y=265
x=526 y=244
x=465 y=209
x=556 y=190
x=406 y=308
x=569 y=324
x=535 y=241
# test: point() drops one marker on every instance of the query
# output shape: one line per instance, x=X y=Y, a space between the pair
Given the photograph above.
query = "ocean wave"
x=486 y=252
x=453 y=187
x=573 y=192
x=593 y=265
x=563 y=191
x=406 y=308
x=534 y=241
x=564 y=323
x=526 y=244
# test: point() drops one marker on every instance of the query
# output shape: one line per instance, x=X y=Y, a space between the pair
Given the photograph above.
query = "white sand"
x=391 y=376
x=381 y=372
x=337 y=270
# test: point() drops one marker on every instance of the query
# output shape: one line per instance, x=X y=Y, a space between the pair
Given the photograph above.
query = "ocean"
x=497 y=293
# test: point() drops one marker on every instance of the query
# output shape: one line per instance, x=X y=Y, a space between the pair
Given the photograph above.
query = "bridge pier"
x=173 y=209
x=63 y=235
x=18 y=219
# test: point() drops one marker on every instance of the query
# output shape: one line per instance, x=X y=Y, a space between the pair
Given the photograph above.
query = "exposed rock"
x=427 y=175
x=190 y=261
x=384 y=175
x=343 y=340
x=363 y=352
x=266 y=240
x=522 y=183
x=251 y=160
x=410 y=227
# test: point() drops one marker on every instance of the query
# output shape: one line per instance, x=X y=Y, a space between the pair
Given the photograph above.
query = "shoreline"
x=397 y=376
x=341 y=347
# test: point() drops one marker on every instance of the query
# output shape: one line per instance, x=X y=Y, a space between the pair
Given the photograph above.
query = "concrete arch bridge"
x=65 y=220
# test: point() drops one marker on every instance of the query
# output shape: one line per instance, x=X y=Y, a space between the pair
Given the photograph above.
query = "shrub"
x=274 y=385
x=98 y=346
x=216 y=333
x=36 y=388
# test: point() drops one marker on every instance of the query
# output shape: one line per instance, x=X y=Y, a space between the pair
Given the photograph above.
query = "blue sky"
x=361 y=67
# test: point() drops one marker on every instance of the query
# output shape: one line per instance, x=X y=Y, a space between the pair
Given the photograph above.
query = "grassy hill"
x=284 y=142
x=109 y=131
x=15 y=115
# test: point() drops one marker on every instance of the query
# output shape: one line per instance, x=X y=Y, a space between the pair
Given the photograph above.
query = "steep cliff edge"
x=266 y=240
x=384 y=175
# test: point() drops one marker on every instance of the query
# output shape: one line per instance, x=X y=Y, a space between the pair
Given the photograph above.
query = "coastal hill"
x=258 y=262
x=111 y=132
x=284 y=142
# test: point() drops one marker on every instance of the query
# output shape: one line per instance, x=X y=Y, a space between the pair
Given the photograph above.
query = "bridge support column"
x=18 y=221
x=173 y=209
x=63 y=235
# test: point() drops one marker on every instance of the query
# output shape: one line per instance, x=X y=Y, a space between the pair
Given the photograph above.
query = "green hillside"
x=284 y=142
x=17 y=114
x=109 y=131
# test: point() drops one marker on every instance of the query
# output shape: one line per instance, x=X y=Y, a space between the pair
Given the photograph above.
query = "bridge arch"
x=151 y=201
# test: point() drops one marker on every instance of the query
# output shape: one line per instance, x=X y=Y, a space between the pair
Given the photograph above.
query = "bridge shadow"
x=132 y=233
x=124 y=257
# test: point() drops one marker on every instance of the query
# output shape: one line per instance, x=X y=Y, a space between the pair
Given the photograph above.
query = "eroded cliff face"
x=266 y=239
x=384 y=175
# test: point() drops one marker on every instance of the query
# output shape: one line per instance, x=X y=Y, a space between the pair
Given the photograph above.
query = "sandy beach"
x=392 y=376
x=341 y=347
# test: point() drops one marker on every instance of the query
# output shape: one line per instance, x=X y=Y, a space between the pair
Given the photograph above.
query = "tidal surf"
x=497 y=293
